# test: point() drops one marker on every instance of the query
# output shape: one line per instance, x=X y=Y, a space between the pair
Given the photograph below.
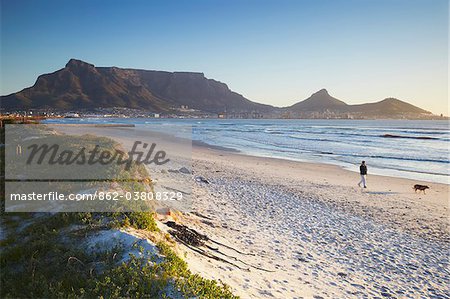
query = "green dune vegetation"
x=44 y=255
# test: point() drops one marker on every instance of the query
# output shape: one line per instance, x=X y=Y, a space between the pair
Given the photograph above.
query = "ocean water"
x=403 y=148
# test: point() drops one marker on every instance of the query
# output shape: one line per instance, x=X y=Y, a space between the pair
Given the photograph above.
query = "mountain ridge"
x=82 y=85
x=322 y=101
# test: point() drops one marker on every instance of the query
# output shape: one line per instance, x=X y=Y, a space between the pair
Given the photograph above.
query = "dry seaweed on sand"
x=195 y=240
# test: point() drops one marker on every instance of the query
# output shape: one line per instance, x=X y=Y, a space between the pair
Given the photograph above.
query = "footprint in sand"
x=266 y=293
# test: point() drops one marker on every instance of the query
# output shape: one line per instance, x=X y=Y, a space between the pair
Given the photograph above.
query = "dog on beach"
x=420 y=188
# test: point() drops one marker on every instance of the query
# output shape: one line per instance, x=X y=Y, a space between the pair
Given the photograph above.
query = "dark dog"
x=420 y=188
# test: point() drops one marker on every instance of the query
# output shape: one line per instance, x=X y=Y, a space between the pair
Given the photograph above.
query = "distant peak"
x=323 y=91
x=76 y=63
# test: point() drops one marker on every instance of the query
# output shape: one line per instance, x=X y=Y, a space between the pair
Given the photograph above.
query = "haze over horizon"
x=272 y=52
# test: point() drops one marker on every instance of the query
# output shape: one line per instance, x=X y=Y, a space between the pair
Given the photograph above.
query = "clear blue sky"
x=275 y=52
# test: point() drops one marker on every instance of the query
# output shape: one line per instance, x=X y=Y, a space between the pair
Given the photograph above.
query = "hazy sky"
x=275 y=52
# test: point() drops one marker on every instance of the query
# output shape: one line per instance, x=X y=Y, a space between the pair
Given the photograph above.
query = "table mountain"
x=80 y=85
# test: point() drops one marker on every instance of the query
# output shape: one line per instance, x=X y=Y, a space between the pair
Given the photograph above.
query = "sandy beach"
x=389 y=200
x=320 y=233
x=302 y=230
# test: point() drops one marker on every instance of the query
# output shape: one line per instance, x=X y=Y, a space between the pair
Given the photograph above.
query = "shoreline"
x=333 y=175
x=201 y=144
x=413 y=167
x=313 y=230
x=378 y=171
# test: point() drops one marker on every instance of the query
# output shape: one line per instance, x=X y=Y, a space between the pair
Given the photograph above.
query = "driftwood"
x=195 y=240
x=207 y=254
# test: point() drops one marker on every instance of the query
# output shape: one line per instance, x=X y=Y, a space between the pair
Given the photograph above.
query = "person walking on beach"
x=363 y=173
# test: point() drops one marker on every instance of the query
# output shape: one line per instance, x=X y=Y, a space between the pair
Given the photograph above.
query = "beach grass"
x=42 y=256
x=43 y=260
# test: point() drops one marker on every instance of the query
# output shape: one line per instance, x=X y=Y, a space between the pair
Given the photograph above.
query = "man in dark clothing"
x=363 y=173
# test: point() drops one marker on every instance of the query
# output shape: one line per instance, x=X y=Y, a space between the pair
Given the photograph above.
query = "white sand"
x=321 y=234
x=125 y=241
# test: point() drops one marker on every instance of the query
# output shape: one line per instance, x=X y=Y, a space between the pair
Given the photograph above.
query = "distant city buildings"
x=185 y=112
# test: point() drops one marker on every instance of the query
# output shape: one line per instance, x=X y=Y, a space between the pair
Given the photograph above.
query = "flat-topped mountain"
x=81 y=85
